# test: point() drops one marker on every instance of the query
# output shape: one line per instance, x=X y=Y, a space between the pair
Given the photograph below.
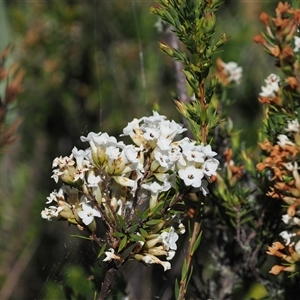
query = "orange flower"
x=259 y=39
x=293 y=82
x=282 y=8
x=276 y=269
x=264 y=17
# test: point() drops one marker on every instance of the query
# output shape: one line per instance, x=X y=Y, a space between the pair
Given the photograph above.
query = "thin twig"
x=189 y=256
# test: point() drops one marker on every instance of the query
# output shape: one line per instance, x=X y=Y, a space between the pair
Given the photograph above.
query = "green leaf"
x=136 y=238
x=190 y=275
x=118 y=234
x=145 y=214
x=158 y=207
x=176 y=288
x=101 y=251
x=123 y=243
x=139 y=214
x=143 y=232
x=122 y=222
x=81 y=237
x=133 y=228
x=295 y=4
x=184 y=270
x=197 y=243
x=153 y=222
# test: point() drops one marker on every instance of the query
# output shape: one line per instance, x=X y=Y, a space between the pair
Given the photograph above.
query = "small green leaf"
x=197 y=243
x=158 y=207
x=143 y=232
x=133 y=228
x=184 y=270
x=176 y=288
x=118 y=234
x=136 y=238
x=122 y=222
x=190 y=275
x=153 y=222
x=81 y=237
x=101 y=251
x=123 y=243
x=139 y=214
x=145 y=214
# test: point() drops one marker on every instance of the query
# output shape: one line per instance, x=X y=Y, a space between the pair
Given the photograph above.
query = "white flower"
x=55 y=196
x=166 y=265
x=169 y=239
x=293 y=126
x=110 y=255
x=233 y=71
x=170 y=254
x=297 y=43
x=163 y=158
x=191 y=176
x=210 y=166
x=273 y=80
x=267 y=91
x=194 y=155
x=63 y=162
x=297 y=247
x=208 y=151
x=273 y=85
x=92 y=179
x=181 y=229
x=151 y=259
x=155 y=188
x=204 y=188
x=283 y=140
x=51 y=212
x=286 y=219
x=88 y=213
x=287 y=237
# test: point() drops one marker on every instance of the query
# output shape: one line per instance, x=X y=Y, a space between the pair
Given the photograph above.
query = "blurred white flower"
x=293 y=126
x=297 y=44
x=233 y=71
x=287 y=237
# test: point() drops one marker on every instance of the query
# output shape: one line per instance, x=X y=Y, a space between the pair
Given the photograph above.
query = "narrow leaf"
x=153 y=222
x=197 y=243
x=123 y=243
x=137 y=238
x=143 y=232
x=101 y=251
x=81 y=237
x=176 y=289
x=122 y=222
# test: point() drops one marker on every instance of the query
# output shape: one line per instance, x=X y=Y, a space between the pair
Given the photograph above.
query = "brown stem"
x=107 y=283
x=189 y=256
x=203 y=106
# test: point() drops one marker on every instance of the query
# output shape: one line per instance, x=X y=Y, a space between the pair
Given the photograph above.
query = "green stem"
x=185 y=279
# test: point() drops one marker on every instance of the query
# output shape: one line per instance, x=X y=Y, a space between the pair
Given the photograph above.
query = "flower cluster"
x=281 y=42
x=282 y=162
x=271 y=89
x=132 y=186
x=228 y=72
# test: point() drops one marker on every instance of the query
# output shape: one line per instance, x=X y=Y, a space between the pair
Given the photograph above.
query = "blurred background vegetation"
x=90 y=66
